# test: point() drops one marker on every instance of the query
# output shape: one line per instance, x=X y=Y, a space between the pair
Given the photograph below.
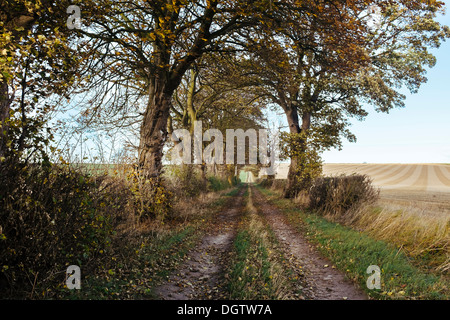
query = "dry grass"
x=197 y=207
x=302 y=199
x=420 y=232
x=186 y=211
x=417 y=222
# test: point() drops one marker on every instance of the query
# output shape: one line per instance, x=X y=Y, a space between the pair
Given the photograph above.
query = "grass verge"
x=353 y=252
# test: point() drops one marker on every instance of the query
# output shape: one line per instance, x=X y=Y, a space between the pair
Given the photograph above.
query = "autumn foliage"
x=149 y=67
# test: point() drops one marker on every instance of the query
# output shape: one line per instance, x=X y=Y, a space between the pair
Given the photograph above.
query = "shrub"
x=151 y=198
x=279 y=184
x=266 y=182
x=51 y=216
x=216 y=184
x=335 y=196
x=186 y=181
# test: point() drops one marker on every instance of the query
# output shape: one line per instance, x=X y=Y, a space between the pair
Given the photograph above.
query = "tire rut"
x=201 y=275
x=321 y=280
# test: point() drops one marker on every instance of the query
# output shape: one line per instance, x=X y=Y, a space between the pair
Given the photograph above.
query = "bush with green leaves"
x=217 y=184
x=266 y=182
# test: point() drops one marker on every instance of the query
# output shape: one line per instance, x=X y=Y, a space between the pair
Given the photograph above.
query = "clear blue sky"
x=418 y=133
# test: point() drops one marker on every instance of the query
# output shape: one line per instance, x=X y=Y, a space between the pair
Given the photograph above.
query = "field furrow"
x=441 y=176
x=398 y=172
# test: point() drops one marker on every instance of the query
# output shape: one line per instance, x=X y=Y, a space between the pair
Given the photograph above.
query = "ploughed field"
x=408 y=177
x=402 y=184
x=424 y=185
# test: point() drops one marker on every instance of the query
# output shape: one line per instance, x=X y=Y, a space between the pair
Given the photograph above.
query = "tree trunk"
x=5 y=104
x=293 y=183
x=294 y=128
x=153 y=133
x=190 y=101
x=306 y=121
x=295 y=166
x=203 y=175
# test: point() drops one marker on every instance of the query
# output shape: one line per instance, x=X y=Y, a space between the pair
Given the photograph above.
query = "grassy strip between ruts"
x=353 y=252
x=258 y=270
x=140 y=261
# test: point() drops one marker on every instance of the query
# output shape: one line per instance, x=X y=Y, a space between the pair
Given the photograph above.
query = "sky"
x=418 y=133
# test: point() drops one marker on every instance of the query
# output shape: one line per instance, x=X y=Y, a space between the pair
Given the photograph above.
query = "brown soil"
x=401 y=177
x=322 y=280
x=442 y=177
x=201 y=274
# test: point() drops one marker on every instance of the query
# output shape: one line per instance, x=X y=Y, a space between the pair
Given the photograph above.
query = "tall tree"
x=319 y=82
x=212 y=94
x=154 y=43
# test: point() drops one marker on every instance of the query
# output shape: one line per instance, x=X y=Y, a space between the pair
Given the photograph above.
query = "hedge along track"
x=322 y=281
x=201 y=274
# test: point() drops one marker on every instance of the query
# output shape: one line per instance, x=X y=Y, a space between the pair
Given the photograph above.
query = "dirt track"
x=322 y=280
x=201 y=275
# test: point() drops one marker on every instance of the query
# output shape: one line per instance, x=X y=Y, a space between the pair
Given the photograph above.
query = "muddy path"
x=321 y=280
x=201 y=275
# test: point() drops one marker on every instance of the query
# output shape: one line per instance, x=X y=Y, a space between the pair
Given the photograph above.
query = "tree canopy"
x=158 y=64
